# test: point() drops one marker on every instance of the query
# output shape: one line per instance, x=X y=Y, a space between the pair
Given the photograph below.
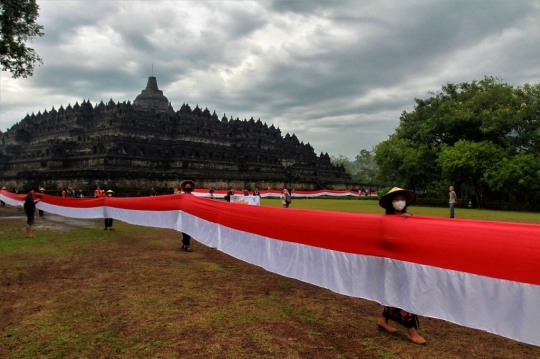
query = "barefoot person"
x=30 y=210
x=395 y=203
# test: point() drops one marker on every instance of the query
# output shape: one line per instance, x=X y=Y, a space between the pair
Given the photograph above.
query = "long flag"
x=479 y=274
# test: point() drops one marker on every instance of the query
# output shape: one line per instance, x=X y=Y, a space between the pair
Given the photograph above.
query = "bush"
x=382 y=192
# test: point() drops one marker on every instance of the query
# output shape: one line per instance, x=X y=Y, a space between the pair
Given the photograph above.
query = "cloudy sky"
x=338 y=74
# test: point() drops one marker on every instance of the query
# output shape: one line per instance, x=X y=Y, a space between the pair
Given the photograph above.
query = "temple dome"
x=151 y=97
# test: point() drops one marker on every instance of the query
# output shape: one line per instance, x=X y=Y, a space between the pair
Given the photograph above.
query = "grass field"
x=372 y=207
x=76 y=291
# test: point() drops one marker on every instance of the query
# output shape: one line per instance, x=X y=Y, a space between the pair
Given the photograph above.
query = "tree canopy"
x=17 y=26
x=482 y=137
x=362 y=169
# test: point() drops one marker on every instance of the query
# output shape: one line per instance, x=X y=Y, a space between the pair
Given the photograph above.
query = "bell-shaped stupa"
x=151 y=97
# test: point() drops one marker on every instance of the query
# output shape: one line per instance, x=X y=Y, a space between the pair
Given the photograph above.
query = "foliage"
x=382 y=192
x=17 y=26
x=482 y=137
x=362 y=169
x=366 y=166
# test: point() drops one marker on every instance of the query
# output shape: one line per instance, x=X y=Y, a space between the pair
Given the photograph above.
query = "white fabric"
x=249 y=200
x=498 y=306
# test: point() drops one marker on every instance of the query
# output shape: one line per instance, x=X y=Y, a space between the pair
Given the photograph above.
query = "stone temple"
x=134 y=146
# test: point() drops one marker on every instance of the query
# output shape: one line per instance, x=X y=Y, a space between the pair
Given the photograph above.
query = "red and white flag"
x=478 y=274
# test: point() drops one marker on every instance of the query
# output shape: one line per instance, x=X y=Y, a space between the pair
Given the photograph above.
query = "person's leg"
x=452 y=210
x=110 y=224
x=383 y=323
x=414 y=337
x=29 y=223
x=186 y=242
x=408 y=320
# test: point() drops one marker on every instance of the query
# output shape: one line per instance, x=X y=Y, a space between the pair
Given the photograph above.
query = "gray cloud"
x=337 y=74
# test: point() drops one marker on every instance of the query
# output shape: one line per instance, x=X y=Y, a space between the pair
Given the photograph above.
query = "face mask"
x=399 y=205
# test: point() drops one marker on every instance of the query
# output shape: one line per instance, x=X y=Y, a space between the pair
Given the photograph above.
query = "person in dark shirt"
x=186 y=187
x=30 y=210
x=229 y=194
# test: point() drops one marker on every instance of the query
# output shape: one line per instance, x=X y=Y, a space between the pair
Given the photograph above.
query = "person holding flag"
x=395 y=203
x=186 y=187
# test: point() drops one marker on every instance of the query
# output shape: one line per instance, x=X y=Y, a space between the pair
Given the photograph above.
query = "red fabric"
x=501 y=250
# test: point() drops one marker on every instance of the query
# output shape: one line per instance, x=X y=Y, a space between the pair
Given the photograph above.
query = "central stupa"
x=152 y=97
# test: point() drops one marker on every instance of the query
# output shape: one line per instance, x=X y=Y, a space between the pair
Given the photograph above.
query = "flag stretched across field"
x=200 y=192
x=479 y=274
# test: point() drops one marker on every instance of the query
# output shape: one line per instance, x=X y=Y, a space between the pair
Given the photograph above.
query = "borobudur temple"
x=135 y=146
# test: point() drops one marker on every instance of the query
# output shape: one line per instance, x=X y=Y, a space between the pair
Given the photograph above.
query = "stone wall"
x=123 y=146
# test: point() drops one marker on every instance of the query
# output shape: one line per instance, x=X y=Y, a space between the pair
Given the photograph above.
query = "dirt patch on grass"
x=132 y=293
x=49 y=221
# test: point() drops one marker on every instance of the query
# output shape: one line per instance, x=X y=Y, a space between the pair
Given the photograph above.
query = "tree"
x=518 y=175
x=483 y=136
x=468 y=162
x=18 y=25
x=402 y=164
x=366 y=166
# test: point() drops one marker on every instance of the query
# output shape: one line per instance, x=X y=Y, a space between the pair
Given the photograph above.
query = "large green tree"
x=17 y=27
x=482 y=136
x=365 y=166
x=362 y=169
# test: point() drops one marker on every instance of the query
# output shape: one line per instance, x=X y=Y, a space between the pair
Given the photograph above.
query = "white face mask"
x=399 y=205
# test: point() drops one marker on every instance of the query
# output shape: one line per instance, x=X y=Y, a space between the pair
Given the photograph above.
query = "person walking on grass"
x=109 y=221
x=186 y=187
x=395 y=202
x=285 y=198
x=30 y=210
x=453 y=200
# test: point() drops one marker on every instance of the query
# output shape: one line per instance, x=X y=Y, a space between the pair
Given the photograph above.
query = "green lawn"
x=131 y=293
x=372 y=207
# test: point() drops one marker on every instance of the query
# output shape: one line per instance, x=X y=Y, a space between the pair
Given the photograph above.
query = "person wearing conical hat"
x=109 y=221
x=186 y=187
x=395 y=202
